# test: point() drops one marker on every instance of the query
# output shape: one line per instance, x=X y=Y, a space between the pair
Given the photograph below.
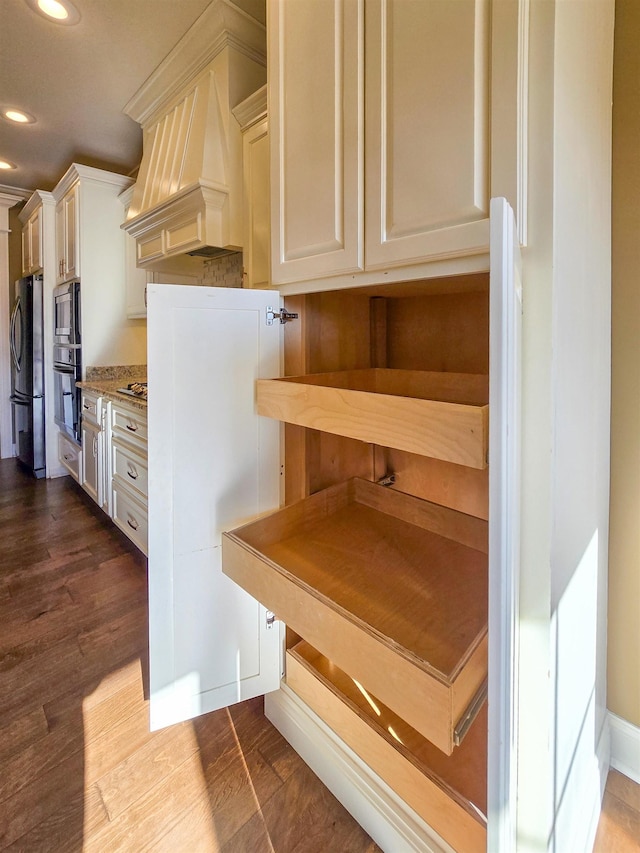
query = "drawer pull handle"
x=132 y=427
x=67 y=457
x=132 y=471
x=133 y=524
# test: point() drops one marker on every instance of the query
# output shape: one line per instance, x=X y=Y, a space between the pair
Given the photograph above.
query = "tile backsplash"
x=223 y=272
x=129 y=372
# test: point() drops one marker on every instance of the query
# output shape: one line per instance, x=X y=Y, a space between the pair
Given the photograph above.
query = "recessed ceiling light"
x=5 y=164
x=17 y=116
x=59 y=11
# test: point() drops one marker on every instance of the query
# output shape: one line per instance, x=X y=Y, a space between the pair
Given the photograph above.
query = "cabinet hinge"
x=282 y=315
x=270 y=618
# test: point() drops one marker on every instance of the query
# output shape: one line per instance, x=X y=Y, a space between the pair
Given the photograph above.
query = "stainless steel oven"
x=66 y=314
x=67 y=370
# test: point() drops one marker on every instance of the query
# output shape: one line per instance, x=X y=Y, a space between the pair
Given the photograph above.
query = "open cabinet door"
x=504 y=523
x=213 y=465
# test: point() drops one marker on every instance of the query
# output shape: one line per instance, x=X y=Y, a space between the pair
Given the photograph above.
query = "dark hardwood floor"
x=79 y=770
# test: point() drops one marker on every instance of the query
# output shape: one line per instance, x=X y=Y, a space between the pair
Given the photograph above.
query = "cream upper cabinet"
x=255 y=157
x=32 y=243
x=252 y=117
x=316 y=56
x=382 y=156
x=426 y=129
x=67 y=237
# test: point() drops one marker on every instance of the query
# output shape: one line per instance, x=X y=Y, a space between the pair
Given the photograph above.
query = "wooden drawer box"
x=130 y=516
x=442 y=415
x=129 y=468
x=448 y=792
x=391 y=588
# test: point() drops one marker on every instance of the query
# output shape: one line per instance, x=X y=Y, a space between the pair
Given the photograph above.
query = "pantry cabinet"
x=377 y=554
x=381 y=150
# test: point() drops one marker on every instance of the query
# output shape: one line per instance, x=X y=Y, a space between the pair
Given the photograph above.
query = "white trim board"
x=625 y=747
x=389 y=821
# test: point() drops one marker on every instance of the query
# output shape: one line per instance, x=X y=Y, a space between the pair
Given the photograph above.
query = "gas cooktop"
x=135 y=389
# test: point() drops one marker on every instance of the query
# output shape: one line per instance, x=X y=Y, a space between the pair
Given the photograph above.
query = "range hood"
x=187 y=200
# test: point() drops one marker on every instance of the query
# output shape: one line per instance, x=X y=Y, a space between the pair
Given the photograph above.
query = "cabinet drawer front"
x=129 y=422
x=69 y=456
x=130 y=517
x=91 y=408
x=129 y=467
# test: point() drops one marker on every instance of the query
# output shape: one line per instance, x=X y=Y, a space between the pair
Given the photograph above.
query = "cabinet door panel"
x=427 y=129
x=315 y=124
x=91 y=451
x=72 y=266
x=213 y=464
x=35 y=239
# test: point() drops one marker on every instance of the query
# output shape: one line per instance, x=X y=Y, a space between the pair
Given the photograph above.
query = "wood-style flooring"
x=79 y=770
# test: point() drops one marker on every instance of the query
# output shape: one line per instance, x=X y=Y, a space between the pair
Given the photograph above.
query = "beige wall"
x=624 y=548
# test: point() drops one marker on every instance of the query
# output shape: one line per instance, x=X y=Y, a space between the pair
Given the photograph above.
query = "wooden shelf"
x=391 y=588
x=442 y=415
x=449 y=792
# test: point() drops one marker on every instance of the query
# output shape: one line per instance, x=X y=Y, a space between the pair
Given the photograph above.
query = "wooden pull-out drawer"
x=129 y=468
x=448 y=792
x=442 y=415
x=130 y=516
x=391 y=588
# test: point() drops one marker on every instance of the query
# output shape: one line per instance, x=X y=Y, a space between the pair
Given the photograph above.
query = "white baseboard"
x=389 y=821
x=594 y=793
x=625 y=747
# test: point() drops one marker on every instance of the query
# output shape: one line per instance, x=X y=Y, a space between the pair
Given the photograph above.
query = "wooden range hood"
x=187 y=199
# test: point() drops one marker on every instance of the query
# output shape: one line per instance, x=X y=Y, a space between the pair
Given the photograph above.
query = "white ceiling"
x=76 y=79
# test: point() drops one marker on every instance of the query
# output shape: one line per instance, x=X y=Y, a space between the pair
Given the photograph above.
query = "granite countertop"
x=105 y=382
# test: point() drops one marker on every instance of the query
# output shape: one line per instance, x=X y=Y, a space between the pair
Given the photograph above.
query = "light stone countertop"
x=109 y=388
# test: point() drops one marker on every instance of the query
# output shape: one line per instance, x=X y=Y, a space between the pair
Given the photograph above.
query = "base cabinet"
x=128 y=471
x=112 y=466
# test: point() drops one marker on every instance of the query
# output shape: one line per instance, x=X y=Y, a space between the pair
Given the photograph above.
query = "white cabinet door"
x=427 y=138
x=213 y=464
x=91 y=454
x=67 y=237
x=504 y=522
x=315 y=126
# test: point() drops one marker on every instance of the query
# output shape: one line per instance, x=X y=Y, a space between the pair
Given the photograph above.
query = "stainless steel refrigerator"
x=27 y=382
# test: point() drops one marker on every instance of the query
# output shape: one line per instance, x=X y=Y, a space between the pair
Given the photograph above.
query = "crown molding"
x=252 y=109
x=221 y=25
x=38 y=198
